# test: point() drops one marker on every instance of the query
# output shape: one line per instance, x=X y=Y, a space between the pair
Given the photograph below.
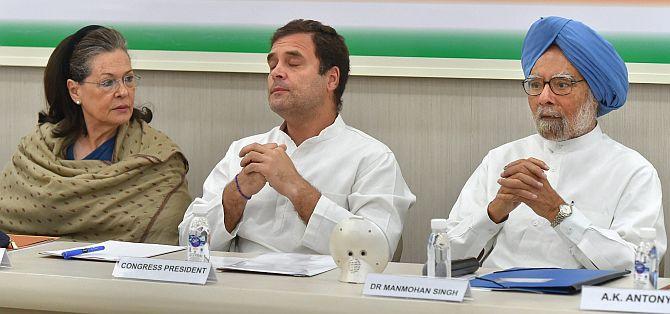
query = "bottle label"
x=194 y=240
x=198 y=236
x=640 y=268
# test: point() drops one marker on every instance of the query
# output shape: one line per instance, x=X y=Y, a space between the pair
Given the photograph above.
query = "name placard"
x=442 y=289
x=625 y=300
x=4 y=258
x=164 y=270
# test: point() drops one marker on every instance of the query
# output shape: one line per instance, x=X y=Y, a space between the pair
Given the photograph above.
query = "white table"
x=37 y=283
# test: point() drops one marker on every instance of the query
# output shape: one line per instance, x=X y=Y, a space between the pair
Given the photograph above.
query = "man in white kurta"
x=615 y=192
x=355 y=174
x=285 y=190
x=569 y=196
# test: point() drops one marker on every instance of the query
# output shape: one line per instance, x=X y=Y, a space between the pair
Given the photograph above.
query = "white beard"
x=562 y=129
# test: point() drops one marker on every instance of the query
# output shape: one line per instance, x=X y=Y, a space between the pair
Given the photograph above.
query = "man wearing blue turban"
x=569 y=196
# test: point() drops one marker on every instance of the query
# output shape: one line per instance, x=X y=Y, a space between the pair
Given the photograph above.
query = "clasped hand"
x=525 y=181
x=269 y=163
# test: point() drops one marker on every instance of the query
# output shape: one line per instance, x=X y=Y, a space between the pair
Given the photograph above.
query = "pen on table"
x=71 y=253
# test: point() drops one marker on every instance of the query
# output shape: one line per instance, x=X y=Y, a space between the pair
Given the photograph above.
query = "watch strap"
x=561 y=215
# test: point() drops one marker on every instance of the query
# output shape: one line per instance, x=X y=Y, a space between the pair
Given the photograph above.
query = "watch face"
x=565 y=210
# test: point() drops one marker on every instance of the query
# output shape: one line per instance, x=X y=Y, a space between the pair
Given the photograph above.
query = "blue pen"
x=71 y=253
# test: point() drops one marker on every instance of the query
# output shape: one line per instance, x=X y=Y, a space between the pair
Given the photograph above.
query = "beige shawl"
x=140 y=196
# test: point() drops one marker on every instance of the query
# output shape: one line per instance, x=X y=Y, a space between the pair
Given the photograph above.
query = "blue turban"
x=594 y=57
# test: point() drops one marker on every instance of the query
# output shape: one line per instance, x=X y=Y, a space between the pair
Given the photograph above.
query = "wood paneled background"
x=439 y=129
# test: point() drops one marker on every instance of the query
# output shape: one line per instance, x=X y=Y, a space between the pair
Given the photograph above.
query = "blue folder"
x=545 y=280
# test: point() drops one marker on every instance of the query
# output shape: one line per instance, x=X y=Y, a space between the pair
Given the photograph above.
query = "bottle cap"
x=199 y=210
x=438 y=224
x=647 y=233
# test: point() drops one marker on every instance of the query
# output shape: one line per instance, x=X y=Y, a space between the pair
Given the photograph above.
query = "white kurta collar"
x=584 y=141
x=329 y=132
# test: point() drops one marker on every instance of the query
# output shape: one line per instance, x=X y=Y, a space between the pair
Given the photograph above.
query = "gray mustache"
x=544 y=111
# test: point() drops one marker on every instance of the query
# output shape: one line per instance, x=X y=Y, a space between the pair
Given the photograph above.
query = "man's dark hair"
x=330 y=49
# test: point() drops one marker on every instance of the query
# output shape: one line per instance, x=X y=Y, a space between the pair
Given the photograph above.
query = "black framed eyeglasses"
x=559 y=85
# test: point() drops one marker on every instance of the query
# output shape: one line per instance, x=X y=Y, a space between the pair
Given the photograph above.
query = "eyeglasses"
x=559 y=85
x=112 y=85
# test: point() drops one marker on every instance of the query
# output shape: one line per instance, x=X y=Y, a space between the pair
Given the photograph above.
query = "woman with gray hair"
x=94 y=169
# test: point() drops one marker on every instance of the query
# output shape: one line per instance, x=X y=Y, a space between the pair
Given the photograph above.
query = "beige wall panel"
x=439 y=129
x=21 y=97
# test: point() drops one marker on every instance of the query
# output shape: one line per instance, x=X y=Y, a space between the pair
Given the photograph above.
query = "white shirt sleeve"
x=211 y=203
x=614 y=247
x=470 y=227
x=378 y=193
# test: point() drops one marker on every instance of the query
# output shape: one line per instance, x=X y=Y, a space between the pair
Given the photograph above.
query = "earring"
x=77 y=102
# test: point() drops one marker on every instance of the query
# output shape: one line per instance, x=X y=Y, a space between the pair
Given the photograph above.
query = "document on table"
x=294 y=264
x=114 y=250
x=223 y=261
x=23 y=241
x=545 y=280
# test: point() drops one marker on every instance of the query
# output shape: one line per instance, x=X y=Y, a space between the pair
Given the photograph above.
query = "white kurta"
x=355 y=174
x=615 y=192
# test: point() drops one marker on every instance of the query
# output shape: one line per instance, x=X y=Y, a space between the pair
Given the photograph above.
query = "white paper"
x=625 y=300
x=416 y=287
x=223 y=261
x=114 y=250
x=4 y=258
x=293 y=264
x=164 y=270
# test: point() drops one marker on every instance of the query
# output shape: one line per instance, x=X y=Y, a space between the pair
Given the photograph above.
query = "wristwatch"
x=564 y=211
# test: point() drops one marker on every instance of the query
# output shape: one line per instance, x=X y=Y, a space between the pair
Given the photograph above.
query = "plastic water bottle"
x=439 y=250
x=645 y=275
x=198 y=239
